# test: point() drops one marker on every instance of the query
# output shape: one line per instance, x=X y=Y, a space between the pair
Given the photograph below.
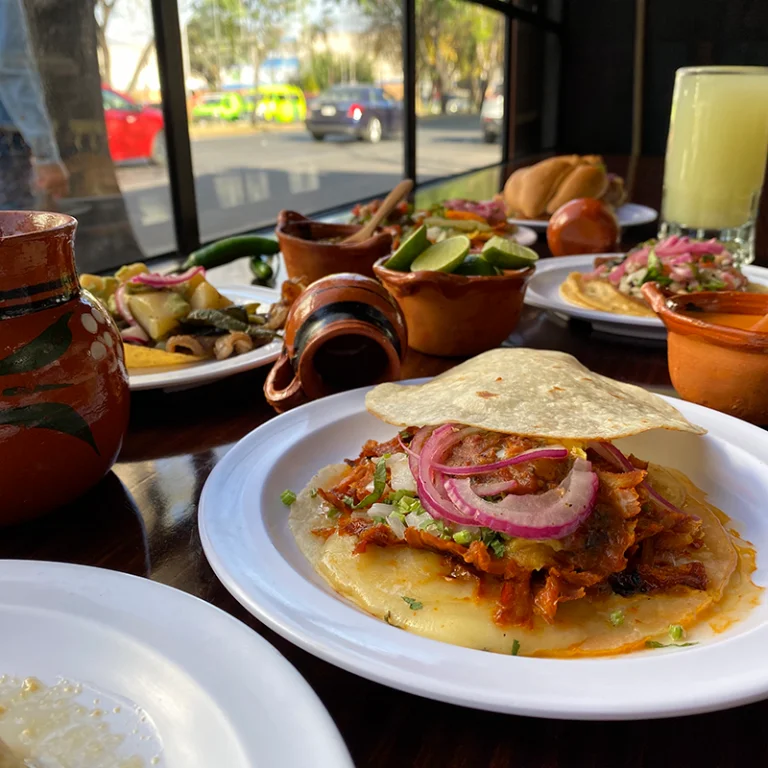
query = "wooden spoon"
x=390 y=201
x=761 y=326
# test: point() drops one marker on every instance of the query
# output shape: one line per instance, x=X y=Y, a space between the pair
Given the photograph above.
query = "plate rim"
x=645 y=210
x=383 y=671
x=202 y=373
x=65 y=577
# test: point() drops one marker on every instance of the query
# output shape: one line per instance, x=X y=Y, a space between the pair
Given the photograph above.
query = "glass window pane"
x=311 y=128
x=65 y=142
x=459 y=87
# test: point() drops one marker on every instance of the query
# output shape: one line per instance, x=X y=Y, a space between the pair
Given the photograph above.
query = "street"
x=243 y=182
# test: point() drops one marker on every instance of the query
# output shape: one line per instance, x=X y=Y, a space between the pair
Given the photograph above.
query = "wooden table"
x=142 y=519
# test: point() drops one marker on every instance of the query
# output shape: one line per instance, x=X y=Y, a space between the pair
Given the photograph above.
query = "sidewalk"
x=240 y=128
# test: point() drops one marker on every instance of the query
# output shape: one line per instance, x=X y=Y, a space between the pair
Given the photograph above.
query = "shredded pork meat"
x=628 y=545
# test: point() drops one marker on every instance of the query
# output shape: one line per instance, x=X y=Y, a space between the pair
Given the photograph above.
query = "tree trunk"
x=72 y=82
x=146 y=52
x=104 y=55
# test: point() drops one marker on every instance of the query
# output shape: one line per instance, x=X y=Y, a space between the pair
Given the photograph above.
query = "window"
x=319 y=136
x=290 y=104
x=459 y=87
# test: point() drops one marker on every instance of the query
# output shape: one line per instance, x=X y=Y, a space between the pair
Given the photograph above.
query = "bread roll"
x=539 y=190
x=583 y=181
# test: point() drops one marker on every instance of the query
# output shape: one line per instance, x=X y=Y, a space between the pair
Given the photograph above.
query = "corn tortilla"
x=538 y=393
x=602 y=296
x=148 y=357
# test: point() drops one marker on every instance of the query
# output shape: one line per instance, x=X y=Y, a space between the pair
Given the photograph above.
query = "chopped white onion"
x=379 y=510
x=397 y=525
x=401 y=478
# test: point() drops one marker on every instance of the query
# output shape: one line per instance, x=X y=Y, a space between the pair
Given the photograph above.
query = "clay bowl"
x=721 y=367
x=457 y=315
x=306 y=257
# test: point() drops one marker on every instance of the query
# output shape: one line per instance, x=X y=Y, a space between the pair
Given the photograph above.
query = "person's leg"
x=16 y=174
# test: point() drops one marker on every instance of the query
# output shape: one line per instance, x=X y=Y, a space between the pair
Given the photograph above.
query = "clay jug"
x=64 y=395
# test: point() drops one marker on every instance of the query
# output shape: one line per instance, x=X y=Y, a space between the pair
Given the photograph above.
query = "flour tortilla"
x=378 y=579
x=602 y=296
x=529 y=392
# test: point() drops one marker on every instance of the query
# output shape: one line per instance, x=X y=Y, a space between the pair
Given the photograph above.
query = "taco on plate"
x=501 y=516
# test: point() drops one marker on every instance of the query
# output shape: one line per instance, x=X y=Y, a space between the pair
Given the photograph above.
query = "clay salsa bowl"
x=456 y=315
x=306 y=256
x=718 y=366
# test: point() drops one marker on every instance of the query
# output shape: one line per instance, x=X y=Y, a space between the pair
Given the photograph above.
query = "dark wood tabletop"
x=142 y=519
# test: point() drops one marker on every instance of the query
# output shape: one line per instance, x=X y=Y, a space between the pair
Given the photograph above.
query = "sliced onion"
x=615 y=457
x=550 y=515
x=134 y=334
x=121 y=302
x=165 y=281
x=429 y=484
x=492 y=489
x=550 y=452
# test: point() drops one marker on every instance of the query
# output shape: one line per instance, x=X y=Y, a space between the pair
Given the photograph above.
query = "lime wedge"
x=474 y=265
x=409 y=249
x=507 y=254
x=444 y=256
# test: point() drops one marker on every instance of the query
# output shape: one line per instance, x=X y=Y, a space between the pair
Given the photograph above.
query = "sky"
x=131 y=20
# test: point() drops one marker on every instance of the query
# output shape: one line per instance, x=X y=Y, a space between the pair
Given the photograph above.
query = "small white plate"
x=544 y=292
x=215 y=692
x=196 y=374
x=629 y=215
x=245 y=534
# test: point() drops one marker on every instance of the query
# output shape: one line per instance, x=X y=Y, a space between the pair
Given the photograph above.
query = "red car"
x=133 y=132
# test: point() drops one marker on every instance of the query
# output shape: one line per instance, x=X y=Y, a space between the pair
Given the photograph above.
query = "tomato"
x=584 y=225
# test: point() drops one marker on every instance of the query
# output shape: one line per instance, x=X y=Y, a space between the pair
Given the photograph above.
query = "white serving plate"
x=246 y=538
x=544 y=292
x=207 y=371
x=629 y=215
x=215 y=692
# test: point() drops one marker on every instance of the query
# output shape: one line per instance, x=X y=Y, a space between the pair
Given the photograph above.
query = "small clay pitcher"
x=64 y=395
x=343 y=332
x=306 y=257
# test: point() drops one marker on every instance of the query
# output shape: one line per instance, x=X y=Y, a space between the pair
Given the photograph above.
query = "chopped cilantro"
x=494 y=541
x=405 y=434
x=287 y=497
x=616 y=617
x=713 y=285
x=348 y=500
x=313 y=493
x=463 y=537
x=333 y=512
x=676 y=632
x=380 y=519
x=386 y=456
x=413 y=603
x=408 y=504
x=395 y=496
x=656 y=644
x=515 y=647
x=379 y=481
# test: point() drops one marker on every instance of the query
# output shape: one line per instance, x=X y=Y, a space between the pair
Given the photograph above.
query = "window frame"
x=168 y=45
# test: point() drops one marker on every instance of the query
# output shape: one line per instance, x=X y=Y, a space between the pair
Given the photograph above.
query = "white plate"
x=544 y=292
x=246 y=538
x=211 y=370
x=629 y=215
x=216 y=693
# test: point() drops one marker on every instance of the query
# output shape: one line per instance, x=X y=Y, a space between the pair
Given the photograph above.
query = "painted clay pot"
x=343 y=332
x=714 y=365
x=64 y=395
x=306 y=256
x=457 y=315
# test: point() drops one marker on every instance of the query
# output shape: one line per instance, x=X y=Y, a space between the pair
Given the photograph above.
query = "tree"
x=102 y=10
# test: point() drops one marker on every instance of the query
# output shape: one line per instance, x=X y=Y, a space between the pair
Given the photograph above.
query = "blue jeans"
x=16 y=177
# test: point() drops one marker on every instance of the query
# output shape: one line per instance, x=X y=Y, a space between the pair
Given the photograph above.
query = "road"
x=244 y=181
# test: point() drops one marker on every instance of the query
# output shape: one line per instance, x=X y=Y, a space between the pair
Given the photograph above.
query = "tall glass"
x=716 y=154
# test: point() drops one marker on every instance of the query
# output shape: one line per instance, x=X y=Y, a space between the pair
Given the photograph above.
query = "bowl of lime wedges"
x=457 y=303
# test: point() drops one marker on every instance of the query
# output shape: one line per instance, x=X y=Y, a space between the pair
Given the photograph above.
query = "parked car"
x=455 y=105
x=227 y=106
x=362 y=111
x=133 y=132
x=492 y=113
x=280 y=103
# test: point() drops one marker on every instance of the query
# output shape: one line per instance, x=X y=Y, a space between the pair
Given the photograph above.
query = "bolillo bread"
x=539 y=190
